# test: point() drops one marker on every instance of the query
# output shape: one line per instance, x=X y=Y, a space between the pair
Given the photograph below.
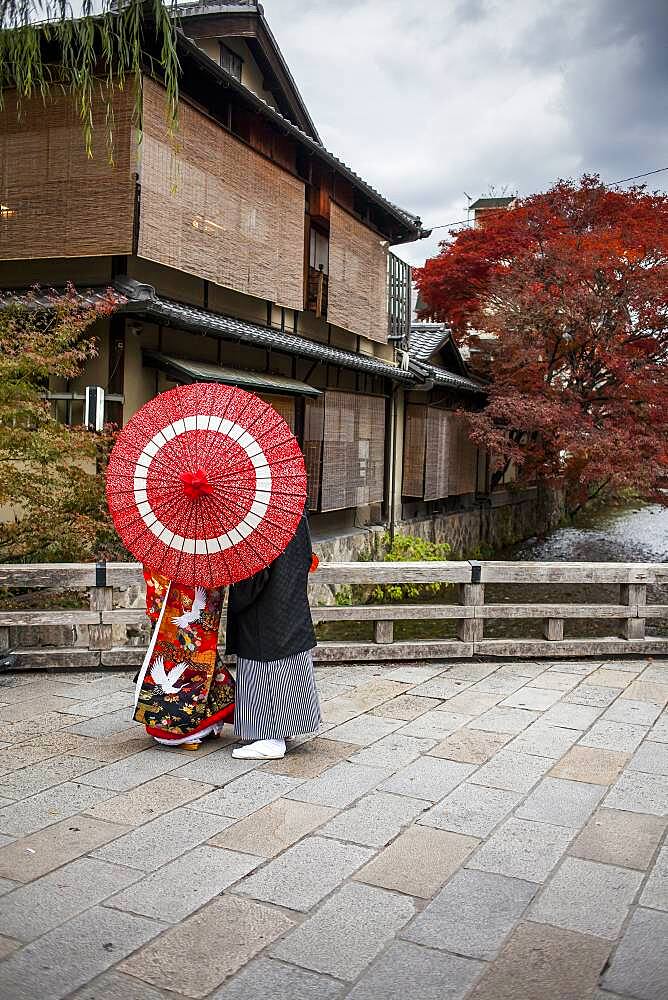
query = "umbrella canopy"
x=206 y=484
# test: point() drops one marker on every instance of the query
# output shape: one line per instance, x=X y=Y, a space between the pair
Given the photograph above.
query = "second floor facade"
x=275 y=228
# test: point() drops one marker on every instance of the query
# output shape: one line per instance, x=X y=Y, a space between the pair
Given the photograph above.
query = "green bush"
x=403 y=548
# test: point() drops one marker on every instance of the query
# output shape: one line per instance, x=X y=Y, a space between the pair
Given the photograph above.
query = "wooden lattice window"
x=415 y=441
x=437 y=461
x=353 y=456
x=230 y=61
x=314 y=423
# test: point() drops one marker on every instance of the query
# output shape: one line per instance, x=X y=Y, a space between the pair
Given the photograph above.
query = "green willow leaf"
x=43 y=47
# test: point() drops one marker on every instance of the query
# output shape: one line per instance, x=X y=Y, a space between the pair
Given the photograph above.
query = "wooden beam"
x=346 y=652
x=580 y=572
x=32 y=619
x=406 y=572
x=556 y=611
x=383 y=632
x=391 y=612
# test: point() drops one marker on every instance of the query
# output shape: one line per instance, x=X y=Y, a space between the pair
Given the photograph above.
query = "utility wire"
x=624 y=180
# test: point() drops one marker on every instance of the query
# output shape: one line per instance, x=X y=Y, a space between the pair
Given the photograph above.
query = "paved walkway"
x=481 y=831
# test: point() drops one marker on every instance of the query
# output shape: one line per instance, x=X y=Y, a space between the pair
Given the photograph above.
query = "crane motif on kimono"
x=188 y=618
x=166 y=681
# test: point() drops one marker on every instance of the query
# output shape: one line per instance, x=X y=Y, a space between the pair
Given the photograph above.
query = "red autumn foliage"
x=569 y=290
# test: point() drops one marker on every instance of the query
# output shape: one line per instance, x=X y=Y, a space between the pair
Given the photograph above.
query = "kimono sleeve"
x=156 y=588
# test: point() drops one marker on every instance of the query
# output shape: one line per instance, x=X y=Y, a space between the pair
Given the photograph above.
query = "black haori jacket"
x=268 y=615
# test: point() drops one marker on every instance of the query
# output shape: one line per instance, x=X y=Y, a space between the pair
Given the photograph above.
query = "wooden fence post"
x=472 y=595
x=633 y=594
x=383 y=632
x=101 y=598
x=553 y=629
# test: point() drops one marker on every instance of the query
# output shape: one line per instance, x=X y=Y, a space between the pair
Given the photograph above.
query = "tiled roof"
x=136 y=299
x=426 y=338
x=213 y=7
x=141 y=300
x=183 y=369
x=492 y=202
x=426 y=372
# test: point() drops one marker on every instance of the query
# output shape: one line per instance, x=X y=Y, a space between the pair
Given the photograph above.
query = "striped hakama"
x=276 y=698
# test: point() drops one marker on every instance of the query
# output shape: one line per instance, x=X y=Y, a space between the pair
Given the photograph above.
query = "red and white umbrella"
x=206 y=484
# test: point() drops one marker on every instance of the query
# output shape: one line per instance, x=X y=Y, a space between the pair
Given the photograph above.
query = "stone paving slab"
x=186 y=884
x=522 y=849
x=419 y=861
x=32 y=910
x=622 y=838
x=195 y=957
x=588 y=897
x=472 y=809
x=472 y=915
x=265 y=977
x=375 y=820
x=305 y=873
x=407 y=970
x=33 y=856
x=74 y=953
x=540 y=962
x=347 y=932
x=640 y=964
x=472 y=831
x=655 y=893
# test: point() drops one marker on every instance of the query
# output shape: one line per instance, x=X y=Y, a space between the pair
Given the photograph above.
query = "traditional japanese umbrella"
x=206 y=484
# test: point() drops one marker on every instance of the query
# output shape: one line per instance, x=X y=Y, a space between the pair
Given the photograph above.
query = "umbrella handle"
x=151 y=647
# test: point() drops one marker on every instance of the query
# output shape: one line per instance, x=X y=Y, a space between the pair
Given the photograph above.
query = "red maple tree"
x=568 y=293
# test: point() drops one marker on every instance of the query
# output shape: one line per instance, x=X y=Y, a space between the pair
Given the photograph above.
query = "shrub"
x=403 y=548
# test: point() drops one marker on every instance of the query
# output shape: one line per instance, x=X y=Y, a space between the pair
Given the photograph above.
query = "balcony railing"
x=316 y=298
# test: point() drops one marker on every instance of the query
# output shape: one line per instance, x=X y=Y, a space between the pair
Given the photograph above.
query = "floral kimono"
x=183 y=692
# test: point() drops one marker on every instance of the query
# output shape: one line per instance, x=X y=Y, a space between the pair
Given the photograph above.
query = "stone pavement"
x=489 y=831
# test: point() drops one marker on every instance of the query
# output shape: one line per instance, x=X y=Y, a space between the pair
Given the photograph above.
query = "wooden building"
x=244 y=252
x=442 y=468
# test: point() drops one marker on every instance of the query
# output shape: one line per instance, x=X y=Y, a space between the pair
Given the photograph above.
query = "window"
x=230 y=61
x=317 y=287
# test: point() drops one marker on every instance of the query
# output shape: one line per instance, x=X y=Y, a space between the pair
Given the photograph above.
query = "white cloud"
x=429 y=99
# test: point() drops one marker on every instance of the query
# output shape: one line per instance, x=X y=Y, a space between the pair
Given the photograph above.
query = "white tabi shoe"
x=261 y=750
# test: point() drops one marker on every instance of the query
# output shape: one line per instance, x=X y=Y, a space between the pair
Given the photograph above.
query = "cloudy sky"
x=429 y=99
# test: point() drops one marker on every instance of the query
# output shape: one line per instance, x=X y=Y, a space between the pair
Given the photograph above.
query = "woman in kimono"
x=183 y=692
x=269 y=627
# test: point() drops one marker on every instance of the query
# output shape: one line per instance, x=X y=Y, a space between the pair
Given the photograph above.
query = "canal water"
x=632 y=534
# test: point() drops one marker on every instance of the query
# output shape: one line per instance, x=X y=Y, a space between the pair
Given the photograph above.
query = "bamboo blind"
x=314 y=424
x=55 y=200
x=218 y=210
x=357 y=277
x=463 y=460
x=284 y=405
x=415 y=441
x=437 y=463
x=353 y=456
x=451 y=457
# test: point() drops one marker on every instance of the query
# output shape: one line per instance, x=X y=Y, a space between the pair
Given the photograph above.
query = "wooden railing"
x=101 y=635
